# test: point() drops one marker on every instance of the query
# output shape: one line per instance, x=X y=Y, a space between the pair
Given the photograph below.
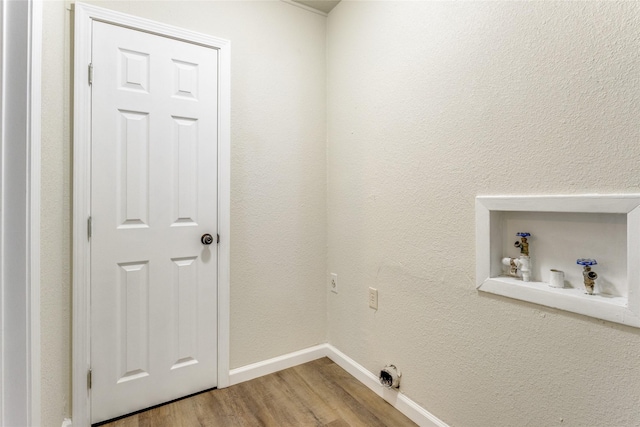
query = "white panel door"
x=154 y=194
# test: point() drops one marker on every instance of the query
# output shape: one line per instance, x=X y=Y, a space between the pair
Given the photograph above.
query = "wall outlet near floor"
x=373 y=298
x=333 y=283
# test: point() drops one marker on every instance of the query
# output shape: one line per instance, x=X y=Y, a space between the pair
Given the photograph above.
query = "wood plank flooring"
x=318 y=393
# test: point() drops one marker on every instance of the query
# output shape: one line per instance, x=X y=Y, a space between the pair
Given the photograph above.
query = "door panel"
x=154 y=193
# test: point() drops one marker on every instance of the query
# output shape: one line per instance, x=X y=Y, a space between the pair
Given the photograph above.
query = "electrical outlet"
x=373 y=298
x=333 y=284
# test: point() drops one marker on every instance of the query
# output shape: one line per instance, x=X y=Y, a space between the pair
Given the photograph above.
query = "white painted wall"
x=429 y=105
x=55 y=225
x=278 y=179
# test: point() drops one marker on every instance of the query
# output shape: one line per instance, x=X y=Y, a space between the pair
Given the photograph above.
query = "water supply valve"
x=522 y=244
x=589 y=275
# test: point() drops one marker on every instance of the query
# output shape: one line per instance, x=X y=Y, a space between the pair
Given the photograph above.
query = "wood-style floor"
x=318 y=393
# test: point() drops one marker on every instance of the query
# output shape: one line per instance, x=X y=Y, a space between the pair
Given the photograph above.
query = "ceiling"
x=321 y=5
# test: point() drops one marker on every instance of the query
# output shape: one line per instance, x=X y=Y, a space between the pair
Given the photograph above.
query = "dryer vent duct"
x=390 y=376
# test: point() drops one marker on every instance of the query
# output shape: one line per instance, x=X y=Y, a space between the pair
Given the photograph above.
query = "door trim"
x=81 y=330
x=20 y=115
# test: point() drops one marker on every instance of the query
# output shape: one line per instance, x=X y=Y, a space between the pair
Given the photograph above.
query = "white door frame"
x=20 y=114
x=81 y=353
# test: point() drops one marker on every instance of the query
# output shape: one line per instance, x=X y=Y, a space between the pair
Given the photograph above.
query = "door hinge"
x=89 y=227
x=90 y=74
x=218 y=238
x=89 y=379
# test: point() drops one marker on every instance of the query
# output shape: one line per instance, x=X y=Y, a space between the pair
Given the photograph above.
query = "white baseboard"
x=266 y=367
x=402 y=403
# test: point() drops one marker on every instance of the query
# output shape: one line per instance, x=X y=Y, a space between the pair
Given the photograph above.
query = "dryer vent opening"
x=390 y=376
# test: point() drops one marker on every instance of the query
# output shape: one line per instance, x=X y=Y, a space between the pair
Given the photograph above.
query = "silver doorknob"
x=206 y=239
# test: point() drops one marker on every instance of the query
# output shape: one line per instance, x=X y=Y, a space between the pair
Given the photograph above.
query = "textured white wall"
x=278 y=179
x=429 y=105
x=55 y=222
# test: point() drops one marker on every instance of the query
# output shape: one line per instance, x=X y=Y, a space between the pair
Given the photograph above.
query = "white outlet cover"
x=373 y=298
x=333 y=283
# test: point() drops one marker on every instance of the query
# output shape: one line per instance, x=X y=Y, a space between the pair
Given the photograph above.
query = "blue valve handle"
x=523 y=234
x=586 y=261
